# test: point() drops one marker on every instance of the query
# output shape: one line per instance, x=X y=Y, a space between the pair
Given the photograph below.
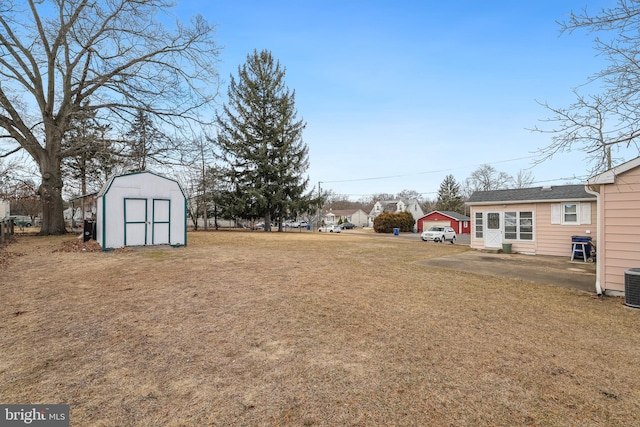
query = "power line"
x=425 y=193
x=423 y=173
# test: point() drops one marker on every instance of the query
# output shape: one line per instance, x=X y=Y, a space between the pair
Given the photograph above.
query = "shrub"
x=383 y=223
x=386 y=222
x=405 y=221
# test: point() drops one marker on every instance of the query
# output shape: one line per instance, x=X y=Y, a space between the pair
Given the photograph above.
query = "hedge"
x=386 y=222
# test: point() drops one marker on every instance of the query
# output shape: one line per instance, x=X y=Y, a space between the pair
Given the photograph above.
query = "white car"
x=330 y=229
x=439 y=233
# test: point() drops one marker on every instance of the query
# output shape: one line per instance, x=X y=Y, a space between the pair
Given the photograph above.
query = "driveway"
x=549 y=270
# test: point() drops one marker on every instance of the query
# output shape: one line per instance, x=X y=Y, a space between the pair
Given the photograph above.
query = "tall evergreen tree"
x=146 y=144
x=89 y=156
x=260 y=139
x=450 y=196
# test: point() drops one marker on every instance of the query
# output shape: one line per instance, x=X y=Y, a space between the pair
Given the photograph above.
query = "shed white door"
x=135 y=222
x=493 y=234
x=161 y=225
x=139 y=222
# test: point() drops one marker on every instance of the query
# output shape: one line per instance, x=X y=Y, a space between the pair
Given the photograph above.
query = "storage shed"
x=139 y=209
x=460 y=223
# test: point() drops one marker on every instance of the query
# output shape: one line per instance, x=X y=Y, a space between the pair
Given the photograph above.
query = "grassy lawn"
x=305 y=329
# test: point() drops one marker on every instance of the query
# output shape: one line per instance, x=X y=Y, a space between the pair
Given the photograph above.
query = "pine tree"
x=88 y=155
x=260 y=139
x=146 y=145
x=449 y=196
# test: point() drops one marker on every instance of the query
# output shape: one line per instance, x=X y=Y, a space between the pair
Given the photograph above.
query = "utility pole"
x=319 y=207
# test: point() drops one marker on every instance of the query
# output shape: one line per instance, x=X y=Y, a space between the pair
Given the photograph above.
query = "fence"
x=6 y=229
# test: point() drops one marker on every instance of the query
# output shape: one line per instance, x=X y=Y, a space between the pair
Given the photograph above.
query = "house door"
x=493 y=235
x=135 y=222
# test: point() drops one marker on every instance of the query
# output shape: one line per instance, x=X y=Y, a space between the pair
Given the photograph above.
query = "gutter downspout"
x=588 y=189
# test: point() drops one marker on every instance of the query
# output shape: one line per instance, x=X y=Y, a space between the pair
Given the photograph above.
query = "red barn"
x=460 y=223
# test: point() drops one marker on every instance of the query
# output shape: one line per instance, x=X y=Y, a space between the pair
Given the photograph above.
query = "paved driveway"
x=550 y=270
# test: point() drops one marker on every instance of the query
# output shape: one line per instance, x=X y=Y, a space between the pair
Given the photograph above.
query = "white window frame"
x=475 y=225
x=576 y=212
x=559 y=213
x=518 y=225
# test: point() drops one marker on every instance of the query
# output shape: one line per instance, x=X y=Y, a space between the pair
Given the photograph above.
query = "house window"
x=570 y=213
x=493 y=221
x=526 y=225
x=511 y=225
x=479 y=225
x=518 y=225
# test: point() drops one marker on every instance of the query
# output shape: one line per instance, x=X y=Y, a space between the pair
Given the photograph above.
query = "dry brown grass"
x=301 y=329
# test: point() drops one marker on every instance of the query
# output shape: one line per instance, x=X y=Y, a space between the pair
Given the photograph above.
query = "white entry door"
x=160 y=222
x=147 y=223
x=135 y=222
x=493 y=234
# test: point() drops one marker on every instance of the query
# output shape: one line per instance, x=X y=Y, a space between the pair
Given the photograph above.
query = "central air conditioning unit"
x=632 y=287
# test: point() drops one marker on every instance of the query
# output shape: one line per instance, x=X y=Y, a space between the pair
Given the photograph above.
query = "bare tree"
x=190 y=181
x=586 y=125
x=601 y=123
x=61 y=58
x=486 y=178
x=410 y=195
x=429 y=205
x=194 y=177
x=524 y=179
x=6 y=169
x=383 y=197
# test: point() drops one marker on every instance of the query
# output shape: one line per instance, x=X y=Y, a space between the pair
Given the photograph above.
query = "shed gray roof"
x=535 y=194
x=451 y=214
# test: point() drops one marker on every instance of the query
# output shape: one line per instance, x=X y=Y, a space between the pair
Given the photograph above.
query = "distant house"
x=460 y=223
x=540 y=220
x=618 y=223
x=5 y=209
x=396 y=206
x=329 y=217
x=81 y=208
x=357 y=217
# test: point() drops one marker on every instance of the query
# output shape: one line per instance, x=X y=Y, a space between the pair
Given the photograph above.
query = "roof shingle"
x=535 y=194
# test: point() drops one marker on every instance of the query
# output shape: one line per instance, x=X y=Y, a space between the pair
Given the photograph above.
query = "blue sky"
x=397 y=95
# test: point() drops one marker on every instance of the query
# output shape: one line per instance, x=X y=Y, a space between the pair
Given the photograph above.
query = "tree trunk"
x=267 y=221
x=51 y=196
